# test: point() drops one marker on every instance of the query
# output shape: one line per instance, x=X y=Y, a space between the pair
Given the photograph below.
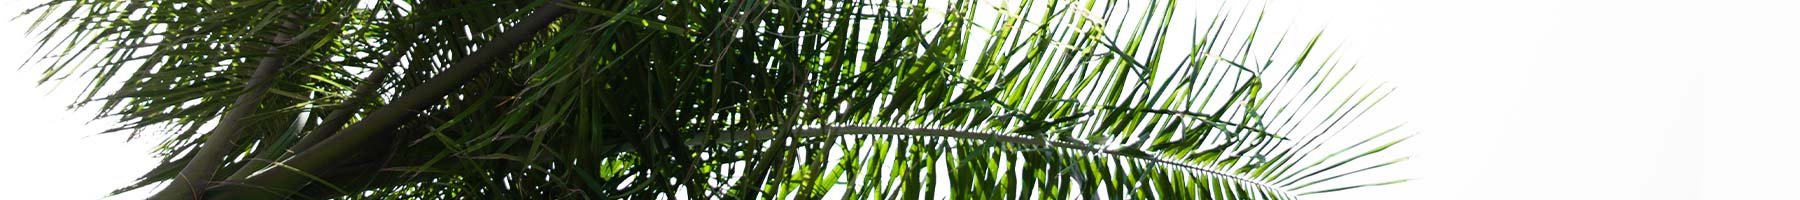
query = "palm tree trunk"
x=317 y=158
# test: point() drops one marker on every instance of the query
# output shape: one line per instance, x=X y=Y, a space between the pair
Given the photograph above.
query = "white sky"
x=1520 y=99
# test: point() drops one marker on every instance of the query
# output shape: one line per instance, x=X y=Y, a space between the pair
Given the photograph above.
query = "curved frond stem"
x=835 y=131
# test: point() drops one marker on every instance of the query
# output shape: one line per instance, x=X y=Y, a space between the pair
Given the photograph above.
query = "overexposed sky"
x=1531 y=99
x=1581 y=99
x=48 y=151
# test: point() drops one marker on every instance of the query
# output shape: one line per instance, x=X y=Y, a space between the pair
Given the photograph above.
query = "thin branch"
x=363 y=93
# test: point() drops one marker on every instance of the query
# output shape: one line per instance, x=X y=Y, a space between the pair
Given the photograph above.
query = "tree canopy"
x=809 y=99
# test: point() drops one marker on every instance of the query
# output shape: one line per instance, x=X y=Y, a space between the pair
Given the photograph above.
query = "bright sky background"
x=1520 y=99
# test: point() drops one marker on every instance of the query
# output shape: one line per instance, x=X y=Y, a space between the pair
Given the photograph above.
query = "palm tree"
x=572 y=99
